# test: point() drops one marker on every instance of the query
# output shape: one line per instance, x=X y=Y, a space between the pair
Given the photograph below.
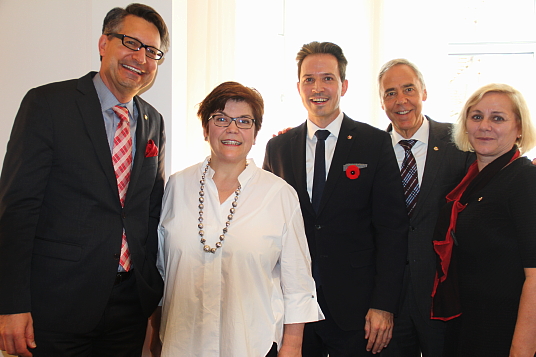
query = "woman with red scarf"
x=486 y=234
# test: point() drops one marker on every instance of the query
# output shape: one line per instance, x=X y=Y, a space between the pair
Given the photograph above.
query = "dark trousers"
x=120 y=332
x=323 y=337
x=273 y=351
x=414 y=333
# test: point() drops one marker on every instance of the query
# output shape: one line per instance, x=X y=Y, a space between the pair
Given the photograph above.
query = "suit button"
x=116 y=256
x=123 y=215
x=318 y=227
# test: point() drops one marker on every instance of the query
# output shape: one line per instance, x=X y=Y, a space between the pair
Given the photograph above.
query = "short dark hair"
x=319 y=48
x=226 y=91
x=114 y=18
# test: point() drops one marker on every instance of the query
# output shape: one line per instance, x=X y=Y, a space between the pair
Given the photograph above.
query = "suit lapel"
x=297 y=145
x=434 y=158
x=91 y=113
x=142 y=130
x=345 y=141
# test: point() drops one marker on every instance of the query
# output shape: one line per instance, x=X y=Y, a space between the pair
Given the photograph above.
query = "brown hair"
x=323 y=48
x=226 y=91
x=114 y=18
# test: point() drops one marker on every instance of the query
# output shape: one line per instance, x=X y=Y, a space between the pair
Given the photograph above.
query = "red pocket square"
x=151 y=149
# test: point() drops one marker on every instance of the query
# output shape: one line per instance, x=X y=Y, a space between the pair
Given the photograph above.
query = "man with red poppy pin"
x=357 y=235
x=440 y=167
x=80 y=196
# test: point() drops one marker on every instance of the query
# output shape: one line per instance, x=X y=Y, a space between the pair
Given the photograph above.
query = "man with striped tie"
x=430 y=166
x=80 y=195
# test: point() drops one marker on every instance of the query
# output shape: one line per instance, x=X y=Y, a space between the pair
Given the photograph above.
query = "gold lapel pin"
x=349 y=137
x=436 y=148
x=145 y=117
x=480 y=199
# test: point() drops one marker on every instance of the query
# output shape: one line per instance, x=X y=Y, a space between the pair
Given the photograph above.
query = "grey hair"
x=396 y=62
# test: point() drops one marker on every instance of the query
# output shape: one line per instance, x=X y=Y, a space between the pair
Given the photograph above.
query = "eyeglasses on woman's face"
x=222 y=120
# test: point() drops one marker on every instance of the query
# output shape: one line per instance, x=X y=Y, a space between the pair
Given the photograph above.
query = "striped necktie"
x=122 y=160
x=410 y=179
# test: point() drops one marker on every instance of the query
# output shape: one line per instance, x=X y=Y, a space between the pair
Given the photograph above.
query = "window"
x=458 y=45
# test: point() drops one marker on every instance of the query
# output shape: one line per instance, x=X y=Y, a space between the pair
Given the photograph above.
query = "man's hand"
x=17 y=334
x=378 y=329
x=287 y=129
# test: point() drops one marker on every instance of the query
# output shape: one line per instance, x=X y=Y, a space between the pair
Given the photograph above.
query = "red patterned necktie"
x=410 y=179
x=122 y=160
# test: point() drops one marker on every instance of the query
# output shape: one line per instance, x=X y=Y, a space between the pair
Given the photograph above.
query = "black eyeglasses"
x=136 y=45
x=224 y=121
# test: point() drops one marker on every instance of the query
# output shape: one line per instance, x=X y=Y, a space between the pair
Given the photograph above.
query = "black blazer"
x=359 y=237
x=445 y=167
x=61 y=220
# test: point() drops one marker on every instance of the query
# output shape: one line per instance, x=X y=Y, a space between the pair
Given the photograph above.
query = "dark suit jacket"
x=444 y=168
x=61 y=220
x=358 y=239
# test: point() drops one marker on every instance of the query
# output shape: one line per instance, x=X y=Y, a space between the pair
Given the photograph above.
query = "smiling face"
x=492 y=127
x=321 y=88
x=402 y=95
x=230 y=144
x=124 y=71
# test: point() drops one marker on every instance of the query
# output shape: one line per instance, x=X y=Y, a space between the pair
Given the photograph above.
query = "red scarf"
x=448 y=300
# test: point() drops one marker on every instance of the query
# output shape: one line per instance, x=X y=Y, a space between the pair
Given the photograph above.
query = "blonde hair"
x=528 y=138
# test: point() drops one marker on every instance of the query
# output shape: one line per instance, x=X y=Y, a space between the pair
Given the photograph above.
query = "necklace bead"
x=201 y=206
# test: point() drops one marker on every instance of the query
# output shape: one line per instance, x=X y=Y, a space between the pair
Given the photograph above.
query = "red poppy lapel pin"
x=151 y=149
x=353 y=170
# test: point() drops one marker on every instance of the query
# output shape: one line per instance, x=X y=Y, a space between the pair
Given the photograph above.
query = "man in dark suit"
x=356 y=227
x=440 y=167
x=80 y=196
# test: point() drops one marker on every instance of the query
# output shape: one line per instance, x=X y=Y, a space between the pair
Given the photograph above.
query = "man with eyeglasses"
x=80 y=196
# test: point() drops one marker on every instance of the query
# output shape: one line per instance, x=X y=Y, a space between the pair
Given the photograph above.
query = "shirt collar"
x=244 y=177
x=107 y=99
x=334 y=127
x=421 y=134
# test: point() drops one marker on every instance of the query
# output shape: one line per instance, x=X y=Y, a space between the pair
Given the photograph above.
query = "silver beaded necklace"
x=206 y=247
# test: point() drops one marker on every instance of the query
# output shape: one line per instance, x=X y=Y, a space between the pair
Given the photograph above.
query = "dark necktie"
x=122 y=160
x=410 y=179
x=319 y=178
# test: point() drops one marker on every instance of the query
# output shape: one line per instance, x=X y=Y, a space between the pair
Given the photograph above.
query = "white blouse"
x=233 y=302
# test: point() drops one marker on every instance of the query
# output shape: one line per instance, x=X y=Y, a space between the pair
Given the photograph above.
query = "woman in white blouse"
x=232 y=249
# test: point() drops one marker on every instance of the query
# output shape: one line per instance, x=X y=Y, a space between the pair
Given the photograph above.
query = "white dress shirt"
x=419 y=149
x=233 y=302
x=331 y=141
